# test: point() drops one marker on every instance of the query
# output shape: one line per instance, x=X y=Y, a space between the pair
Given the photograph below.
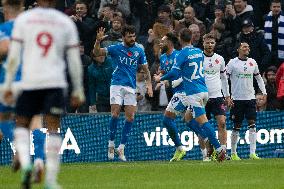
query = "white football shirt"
x=214 y=66
x=45 y=35
x=241 y=74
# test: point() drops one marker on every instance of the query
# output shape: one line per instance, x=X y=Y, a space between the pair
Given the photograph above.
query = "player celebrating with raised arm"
x=42 y=37
x=216 y=82
x=241 y=71
x=127 y=56
x=189 y=65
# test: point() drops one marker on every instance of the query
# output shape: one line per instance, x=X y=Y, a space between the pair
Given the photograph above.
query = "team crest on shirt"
x=167 y=62
x=210 y=65
x=245 y=68
x=136 y=53
x=217 y=61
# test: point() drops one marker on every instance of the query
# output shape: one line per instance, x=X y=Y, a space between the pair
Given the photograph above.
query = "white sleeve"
x=224 y=79
x=259 y=80
x=74 y=62
x=229 y=68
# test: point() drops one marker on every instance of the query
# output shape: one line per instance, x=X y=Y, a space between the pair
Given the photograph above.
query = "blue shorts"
x=6 y=109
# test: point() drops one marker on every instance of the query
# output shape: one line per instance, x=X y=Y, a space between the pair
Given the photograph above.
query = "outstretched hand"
x=101 y=34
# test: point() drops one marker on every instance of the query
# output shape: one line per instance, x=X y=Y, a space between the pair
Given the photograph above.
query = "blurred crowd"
x=258 y=22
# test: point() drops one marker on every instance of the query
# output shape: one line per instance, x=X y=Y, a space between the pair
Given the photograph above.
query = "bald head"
x=189 y=13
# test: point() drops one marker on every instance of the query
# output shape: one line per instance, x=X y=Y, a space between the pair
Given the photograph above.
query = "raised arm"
x=98 y=51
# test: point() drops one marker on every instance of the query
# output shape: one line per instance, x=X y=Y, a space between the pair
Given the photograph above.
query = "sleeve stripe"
x=17 y=40
x=223 y=71
x=256 y=74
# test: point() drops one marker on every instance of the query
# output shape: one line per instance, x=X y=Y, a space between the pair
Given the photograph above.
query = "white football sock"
x=252 y=140
x=22 y=145
x=52 y=158
x=180 y=148
x=110 y=143
x=234 y=141
x=204 y=153
x=121 y=146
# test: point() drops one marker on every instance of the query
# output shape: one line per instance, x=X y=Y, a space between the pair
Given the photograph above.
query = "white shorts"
x=196 y=103
x=122 y=95
x=177 y=104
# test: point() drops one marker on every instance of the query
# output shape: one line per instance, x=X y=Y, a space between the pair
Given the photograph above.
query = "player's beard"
x=130 y=43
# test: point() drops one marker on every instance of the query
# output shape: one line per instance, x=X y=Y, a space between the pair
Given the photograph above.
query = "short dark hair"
x=172 y=37
x=209 y=36
x=275 y=1
x=185 y=35
x=128 y=29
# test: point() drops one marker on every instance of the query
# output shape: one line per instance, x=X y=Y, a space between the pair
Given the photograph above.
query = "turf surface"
x=245 y=174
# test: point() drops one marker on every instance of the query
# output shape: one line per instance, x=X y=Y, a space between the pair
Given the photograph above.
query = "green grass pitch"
x=245 y=174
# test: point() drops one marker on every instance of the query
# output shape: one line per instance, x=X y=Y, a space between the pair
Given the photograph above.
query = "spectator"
x=85 y=25
x=258 y=49
x=280 y=85
x=190 y=18
x=114 y=34
x=274 y=32
x=143 y=104
x=205 y=11
x=242 y=11
x=164 y=16
x=121 y=5
x=99 y=74
x=261 y=105
x=196 y=40
x=105 y=16
x=272 y=102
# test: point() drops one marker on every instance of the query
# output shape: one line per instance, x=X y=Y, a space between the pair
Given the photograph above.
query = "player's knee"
x=115 y=114
x=222 y=125
x=169 y=114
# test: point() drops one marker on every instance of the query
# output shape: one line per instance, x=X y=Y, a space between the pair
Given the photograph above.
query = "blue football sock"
x=7 y=128
x=126 y=129
x=113 y=127
x=210 y=132
x=194 y=126
x=172 y=130
x=39 y=141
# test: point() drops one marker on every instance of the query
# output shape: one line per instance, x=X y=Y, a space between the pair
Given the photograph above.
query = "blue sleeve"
x=142 y=58
x=171 y=75
x=178 y=62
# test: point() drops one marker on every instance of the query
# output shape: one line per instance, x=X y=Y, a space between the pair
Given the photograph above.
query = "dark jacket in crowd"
x=258 y=48
x=86 y=30
x=99 y=82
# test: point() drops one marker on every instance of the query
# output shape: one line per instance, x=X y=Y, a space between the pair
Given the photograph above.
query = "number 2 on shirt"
x=44 y=41
x=196 y=68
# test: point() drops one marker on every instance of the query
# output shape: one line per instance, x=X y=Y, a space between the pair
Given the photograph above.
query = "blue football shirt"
x=167 y=61
x=126 y=60
x=190 y=63
x=5 y=33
